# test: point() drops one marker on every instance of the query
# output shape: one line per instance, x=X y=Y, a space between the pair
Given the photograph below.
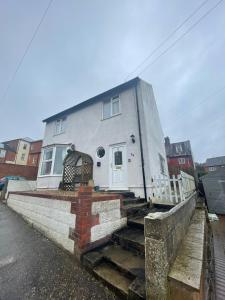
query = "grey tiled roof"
x=178 y=149
x=215 y=161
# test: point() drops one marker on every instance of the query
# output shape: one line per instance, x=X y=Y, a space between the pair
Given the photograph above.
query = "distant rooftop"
x=215 y=161
x=178 y=148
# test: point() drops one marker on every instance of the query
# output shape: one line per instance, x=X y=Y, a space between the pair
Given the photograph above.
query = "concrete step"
x=120 y=269
x=131 y=239
x=126 y=261
x=133 y=200
x=136 y=222
x=136 y=209
x=122 y=192
x=137 y=290
x=114 y=278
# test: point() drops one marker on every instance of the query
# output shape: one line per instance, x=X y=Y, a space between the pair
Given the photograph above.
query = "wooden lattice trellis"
x=78 y=170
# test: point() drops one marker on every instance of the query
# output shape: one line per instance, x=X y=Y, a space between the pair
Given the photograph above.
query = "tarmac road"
x=33 y=267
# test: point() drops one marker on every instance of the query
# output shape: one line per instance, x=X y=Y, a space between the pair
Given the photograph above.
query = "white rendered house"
x=120 y=129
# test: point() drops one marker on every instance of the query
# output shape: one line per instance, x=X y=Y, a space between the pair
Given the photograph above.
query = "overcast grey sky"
x=86 y=47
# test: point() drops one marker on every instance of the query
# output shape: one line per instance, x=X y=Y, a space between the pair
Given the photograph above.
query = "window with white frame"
x=47 y=161
x=181 y=161
x=111 y=107
x=212 y=169
x=179 y=148
x=162 y=164
x=52 y=160
x=60 y=153
x=60 y=125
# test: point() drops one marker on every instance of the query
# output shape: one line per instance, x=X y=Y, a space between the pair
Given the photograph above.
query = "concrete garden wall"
x=20 y=185
x=53 y=217
x=163 y=235
x=77 y=222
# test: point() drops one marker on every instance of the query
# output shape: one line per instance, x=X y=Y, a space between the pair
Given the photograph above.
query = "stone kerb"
x=163 y=235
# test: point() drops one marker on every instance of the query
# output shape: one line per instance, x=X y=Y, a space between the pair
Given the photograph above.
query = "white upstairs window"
x=111 y=107
x=115 y=105
x=107 y=109
x=60 y=126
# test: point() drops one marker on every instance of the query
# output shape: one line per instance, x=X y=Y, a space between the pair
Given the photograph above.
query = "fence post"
x=175 y=189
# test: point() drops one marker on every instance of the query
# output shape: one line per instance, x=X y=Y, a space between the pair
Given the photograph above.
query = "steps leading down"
x=121 y=264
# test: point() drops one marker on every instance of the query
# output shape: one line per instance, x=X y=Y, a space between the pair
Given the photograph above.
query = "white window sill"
x=111 y=117
x=50 y=175
x=55 y=134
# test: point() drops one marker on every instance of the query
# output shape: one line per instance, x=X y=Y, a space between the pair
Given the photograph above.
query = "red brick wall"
x=18 y=170
x=35 y=153
x=81 y=206
x=13 y=144
x=11 y=156
x=175 y=167
x=35 y=147
x=33 y=159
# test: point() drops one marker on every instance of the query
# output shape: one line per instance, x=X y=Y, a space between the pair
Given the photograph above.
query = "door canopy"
x=78 y=170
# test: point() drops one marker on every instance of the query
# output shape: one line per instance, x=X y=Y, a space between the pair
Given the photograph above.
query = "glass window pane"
x=59 y=157
x=118 y=158
x=48 y=154
x=63 y=123
x=115 y=106
x=57 y=126
x=106 y=109
x=46 y=167
x=100 y=152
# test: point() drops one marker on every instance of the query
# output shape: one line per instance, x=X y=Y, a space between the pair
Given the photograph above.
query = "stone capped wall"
x=163 y=235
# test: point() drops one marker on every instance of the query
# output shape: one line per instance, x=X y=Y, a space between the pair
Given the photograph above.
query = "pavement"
x=33 y=267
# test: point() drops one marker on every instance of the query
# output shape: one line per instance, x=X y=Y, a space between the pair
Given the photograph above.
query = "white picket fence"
x=174 y=189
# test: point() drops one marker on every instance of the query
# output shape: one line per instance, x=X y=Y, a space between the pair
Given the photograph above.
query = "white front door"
x=118 y=167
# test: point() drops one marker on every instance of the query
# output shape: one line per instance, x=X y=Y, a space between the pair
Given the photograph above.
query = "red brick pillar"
x=83 y=220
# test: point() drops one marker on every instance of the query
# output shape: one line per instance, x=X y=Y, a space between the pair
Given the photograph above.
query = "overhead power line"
x=183 y=35
x=167 y=38
x=209 y=97
x=26 y=49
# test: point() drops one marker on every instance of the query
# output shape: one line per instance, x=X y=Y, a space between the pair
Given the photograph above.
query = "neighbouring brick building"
x=22 y=151
x=179 y=157
x=214 y=163
x=35 y=153
x=20 y=157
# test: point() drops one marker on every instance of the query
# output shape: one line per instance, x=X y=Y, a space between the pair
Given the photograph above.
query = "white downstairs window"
x=60 y=153
x=46 y=165
x=52 y=160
